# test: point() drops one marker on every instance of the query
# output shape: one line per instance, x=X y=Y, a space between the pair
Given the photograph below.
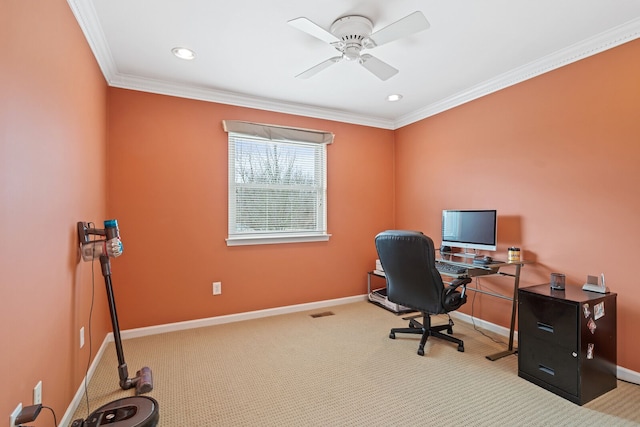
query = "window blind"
x=277 y=186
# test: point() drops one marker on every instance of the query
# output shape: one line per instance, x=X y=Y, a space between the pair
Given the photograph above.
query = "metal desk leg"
x=510 y=350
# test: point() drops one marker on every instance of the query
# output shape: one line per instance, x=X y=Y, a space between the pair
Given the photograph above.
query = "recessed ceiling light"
x=183 y=53
x=395 y=97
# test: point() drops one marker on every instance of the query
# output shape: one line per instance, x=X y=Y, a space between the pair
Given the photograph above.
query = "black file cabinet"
x=567 y=341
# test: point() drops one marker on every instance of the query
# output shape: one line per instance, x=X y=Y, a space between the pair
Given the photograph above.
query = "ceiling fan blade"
x=380 y=69
x=406 y=26
x=303 y=24
x=317 y=68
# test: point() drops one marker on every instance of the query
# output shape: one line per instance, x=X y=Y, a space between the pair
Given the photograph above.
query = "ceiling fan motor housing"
x=352 y=30
x=351 y=34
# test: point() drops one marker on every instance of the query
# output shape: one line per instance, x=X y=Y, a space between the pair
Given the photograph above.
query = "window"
x=277 y=184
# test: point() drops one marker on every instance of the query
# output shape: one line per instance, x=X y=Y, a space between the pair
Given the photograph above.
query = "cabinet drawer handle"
x=546 y=370
x=545 y=327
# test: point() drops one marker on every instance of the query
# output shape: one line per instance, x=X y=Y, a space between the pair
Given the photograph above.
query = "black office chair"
x=408 y=261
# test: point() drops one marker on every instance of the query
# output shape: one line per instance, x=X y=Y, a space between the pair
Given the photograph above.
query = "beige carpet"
x=342 y=370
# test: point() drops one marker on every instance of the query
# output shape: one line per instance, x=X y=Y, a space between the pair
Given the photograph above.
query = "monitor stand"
x=471 y=255
x=450 y=256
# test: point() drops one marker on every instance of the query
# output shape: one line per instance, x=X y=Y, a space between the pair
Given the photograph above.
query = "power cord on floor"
x=93 y=292
x=475 y=327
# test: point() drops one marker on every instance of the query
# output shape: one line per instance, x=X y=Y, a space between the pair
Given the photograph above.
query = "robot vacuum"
x=137 y=411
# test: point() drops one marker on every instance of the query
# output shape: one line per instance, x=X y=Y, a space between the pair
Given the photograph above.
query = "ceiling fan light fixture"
x=394 y=97
x=351 y=52
x=183 y=53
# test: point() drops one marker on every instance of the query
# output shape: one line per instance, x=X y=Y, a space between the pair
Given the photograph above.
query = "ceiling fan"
x=350 y=35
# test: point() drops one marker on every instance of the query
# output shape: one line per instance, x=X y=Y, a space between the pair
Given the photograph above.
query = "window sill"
x=271 y=240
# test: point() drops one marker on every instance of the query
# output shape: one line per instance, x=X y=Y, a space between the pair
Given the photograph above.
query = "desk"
x=486 y=270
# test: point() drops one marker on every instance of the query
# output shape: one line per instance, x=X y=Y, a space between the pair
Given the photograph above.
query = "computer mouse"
x=487 y=259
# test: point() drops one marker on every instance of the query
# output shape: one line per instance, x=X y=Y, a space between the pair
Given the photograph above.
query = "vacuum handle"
x=111 y=229
x=112 y=234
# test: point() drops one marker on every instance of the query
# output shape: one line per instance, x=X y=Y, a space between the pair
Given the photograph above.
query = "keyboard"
x=447 y=268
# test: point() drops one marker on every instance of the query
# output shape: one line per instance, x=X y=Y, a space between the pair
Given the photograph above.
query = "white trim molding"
x=86 y=16
x=584 y=49
x=238 y=317
x=623 y=374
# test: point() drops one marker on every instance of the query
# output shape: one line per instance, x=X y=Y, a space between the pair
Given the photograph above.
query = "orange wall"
x=168 y=190
x=558 y=157
x=555 y=155
x=52 y=174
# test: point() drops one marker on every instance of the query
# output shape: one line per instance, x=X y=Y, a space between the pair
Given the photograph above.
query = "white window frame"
x=270 y=135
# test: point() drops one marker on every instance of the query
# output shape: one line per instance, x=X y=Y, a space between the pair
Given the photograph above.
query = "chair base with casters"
x=408 y=259
x=426 y=330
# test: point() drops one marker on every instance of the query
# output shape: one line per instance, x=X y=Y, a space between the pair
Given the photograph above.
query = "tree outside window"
x=277 y=190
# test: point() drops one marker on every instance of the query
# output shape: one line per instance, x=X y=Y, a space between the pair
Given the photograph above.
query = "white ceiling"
x=248 y=55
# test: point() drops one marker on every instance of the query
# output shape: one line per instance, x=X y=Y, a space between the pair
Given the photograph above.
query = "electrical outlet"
x=14 y=415
x=82 y=337
x=37 y=393
x=217 y=288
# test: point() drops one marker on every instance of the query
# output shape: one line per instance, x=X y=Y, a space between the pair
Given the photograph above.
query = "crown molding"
x=588 y=47
x=88 y=20
x=206 y=94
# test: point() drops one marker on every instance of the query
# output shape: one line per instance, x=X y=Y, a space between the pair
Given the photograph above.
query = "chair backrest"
x=408 y=261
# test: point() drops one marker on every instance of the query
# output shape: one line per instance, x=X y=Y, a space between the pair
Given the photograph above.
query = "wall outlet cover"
x=37 y=393
x=14 y=415
x=217 y=288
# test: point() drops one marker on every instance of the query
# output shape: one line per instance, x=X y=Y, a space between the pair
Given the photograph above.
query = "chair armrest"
x=464 y=281
x=460 y=282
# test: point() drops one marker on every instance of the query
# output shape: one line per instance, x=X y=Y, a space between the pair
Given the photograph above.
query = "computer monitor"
x=470 y=229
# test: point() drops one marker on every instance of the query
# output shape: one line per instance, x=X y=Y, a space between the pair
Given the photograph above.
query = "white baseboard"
x=191 y=324
x=628 y=375
x=622 y=373
x=75 y=402
x=219 y=320
x=483 y=324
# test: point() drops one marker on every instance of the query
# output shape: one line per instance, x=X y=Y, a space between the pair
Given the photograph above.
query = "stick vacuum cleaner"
x=138 y=411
